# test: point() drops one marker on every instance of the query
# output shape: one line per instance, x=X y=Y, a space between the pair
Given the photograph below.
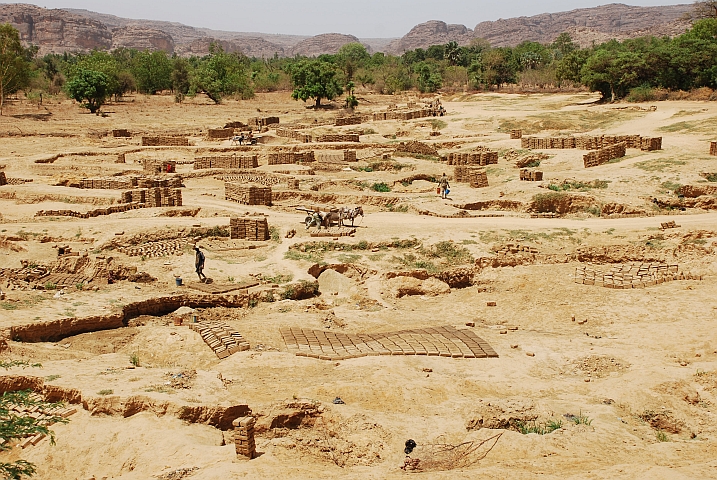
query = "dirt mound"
x=561 y=203
x=408 y=285
x=351 y=270
x=288 y=415
x=418 y=148
x=694 y=191
x=502 y=414
x=620 y=209
x=599 y=366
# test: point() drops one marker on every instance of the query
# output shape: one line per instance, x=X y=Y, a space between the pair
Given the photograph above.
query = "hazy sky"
x=363 y=18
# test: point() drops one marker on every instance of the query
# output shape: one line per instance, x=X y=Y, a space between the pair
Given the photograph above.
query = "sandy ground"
x=639 y=364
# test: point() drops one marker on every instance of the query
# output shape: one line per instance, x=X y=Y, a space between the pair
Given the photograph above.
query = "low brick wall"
x=604 y=155
x=165 y=142
x=227 y=161
x=220 y=133
x=477 y=158
x=349 y=137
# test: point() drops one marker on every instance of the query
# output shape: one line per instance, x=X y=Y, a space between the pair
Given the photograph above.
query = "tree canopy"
x=315 y=79
x=14 y=63
x=89 y=87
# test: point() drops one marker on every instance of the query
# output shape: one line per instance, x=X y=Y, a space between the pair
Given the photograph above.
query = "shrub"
x=134 y=359
x=380 y=187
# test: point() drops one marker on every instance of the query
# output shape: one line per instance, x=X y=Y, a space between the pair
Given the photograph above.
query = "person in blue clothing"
x=199 y=264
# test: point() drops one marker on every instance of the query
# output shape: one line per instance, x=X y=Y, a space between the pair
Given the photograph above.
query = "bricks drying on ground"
x=249 y=228
x=165 y=142
x=265 y=179
x=220 y=337
x=160 y=248
x=3 y=178
x=293 y=134
x=220 y=133
x=713 y=148
x=290 y=158
x=348 y=137
x=122 y=183
x=418 y=148
x=475 y=158
x=345 y=156
x=604 y=155
x=632 y=276
x=476 y=177
x=121 y=132
x=247 y=194
x=531 y=175
x=227 y=161
x=92 y=213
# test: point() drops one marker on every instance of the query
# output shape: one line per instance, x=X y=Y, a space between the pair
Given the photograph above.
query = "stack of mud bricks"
x=45 y=416
x=476 y=177
x=547 y=143
x=259 y=122
x=290 y=158
x=516 y=134
x=632 y=276
x=121 y=133
x=513 y=248
x=604 y=155
x=121 y=158
x=262 y=179
x=227 y=161
x=159 y=166
x=292 y=184
x=165 y=142
x=135 y=196
x=410 y=115
x=353 y=120
x=244 y=437
x=713 y=148
x=247 y=194
x=162 y=182
x=650 y=144
x=476 y=158
x=220 y=133
x=255 y=229
x=348 y=137
x=602 y=141
x=293 y=134
x=3 y=178
x=221 y=338
x=92 y=213
x=531 y=175
x=109 y=183
x=164 y=197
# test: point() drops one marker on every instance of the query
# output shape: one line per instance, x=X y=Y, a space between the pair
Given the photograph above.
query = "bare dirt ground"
x=590 y=382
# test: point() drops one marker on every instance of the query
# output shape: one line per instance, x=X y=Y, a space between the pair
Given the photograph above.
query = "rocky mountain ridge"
x=62 y=30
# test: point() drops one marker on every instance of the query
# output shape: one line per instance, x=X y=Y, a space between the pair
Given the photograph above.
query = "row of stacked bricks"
x=227 y=161
x=531 y=175
x=290 y=158
x=247 y=194
x=221 y=338
x=475 y=158
x=154 y=197
x=410 y=115
x=476 y=177
x=352 y=120
x=258 y=122
x=348 y=137
x=293 y=134
x=255 y=229
x=165 y=142
x=516 y=134
x=713 y=149
x=159 y=166
x=155 y=249
x=220 y=133
x=244 y=437
x=604 y=155
x=3 y=178
x=548 y=143
x=109 y=183
x=332 y=156
x=124 y=207
x=260 y=178
x=45 y=416
x=512 y=248
x=632 y=276
x=121 y=133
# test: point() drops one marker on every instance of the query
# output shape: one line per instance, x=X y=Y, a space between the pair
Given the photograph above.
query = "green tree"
x=152 y=71
x=351 y=101
x=181 y=76
x=429 y=79
x=453 y=53
x=222 y=73
x=350 y=58
x=90 y=88
x=111 y=65
x=564 y=45
x=315 y=79
x=14 y=64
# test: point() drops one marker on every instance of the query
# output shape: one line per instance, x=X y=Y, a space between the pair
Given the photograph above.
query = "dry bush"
x=442 y=456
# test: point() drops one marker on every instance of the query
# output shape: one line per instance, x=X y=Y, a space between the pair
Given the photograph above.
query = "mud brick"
x=713 y=148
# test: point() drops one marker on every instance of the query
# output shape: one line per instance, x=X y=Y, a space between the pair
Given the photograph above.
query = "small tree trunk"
x=2 y=97
x=318 y=102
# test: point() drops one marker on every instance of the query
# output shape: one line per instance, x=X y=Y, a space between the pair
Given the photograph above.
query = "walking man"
x=443 y=186
x=199 y=264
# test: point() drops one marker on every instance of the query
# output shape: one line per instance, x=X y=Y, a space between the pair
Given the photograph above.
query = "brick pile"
x=346 y=156
x=582 y=143
x=547 y=143
x=293 y=134
x=227 y=161
x=474 y=158
x=163 y=197
x=290 y=158
x=713 y=148
x=418 y=148
x=513 y=248
x=335 y=137
x=18 y=181
x=121 y=132
x=3 y=178
x=244 y=437
x=159 y=182
x=159 y=166
x=220 y=133
x=531 y=175
x=165 y=142
x=121 y=158
x=632 y=276
x=247 y=194
x=160 y=248
x=352 y=120
x=220 y=337
x=292 y=184
x=516 y=134
x=476 y=177
x=255 y=229
x=651 y=143
x=604 y=155
x=261 y=178
x=260 y=122
x=433 y=342
x=44 y=415
x=109 y=183
x=398 y=115
x=92 y=213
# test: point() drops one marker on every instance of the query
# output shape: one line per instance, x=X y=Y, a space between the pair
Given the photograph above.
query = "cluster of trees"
x=613 y=68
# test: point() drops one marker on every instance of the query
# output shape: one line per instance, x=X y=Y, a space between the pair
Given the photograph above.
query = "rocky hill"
x=61 y=30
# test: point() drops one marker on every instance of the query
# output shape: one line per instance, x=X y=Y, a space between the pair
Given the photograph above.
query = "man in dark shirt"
x=199 y=264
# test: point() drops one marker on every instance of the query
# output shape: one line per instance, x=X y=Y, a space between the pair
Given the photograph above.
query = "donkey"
x=351 y=214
